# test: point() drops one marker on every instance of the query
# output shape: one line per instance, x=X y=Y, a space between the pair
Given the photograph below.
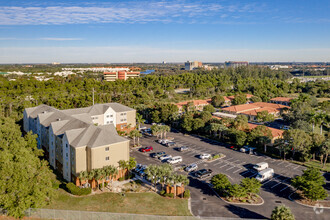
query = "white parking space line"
x=285 y=188
x=235 y=161
x=281 y=162
x=239 y=164
x=288 y=165
x=237 y=170
x=224 y=165
x=245 y=172
x=252 y=175
x=217 y=163
x=296 y=167
x=283 y=181
x=230 y=168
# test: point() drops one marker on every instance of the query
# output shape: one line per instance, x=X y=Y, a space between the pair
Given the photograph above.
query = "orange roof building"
x=251 y=110
x=281 y=100
x=276 y=133
x=122 y=75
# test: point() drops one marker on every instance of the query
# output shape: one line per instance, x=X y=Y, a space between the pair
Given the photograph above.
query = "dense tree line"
x=145 y=92
x=25 y=180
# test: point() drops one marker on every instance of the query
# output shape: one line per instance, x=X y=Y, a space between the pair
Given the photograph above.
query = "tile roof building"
x=276 y=133
x=81 y=139
x=281 y=100
x=251 y=110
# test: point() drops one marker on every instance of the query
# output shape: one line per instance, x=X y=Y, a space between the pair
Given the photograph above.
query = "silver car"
x=191 y=167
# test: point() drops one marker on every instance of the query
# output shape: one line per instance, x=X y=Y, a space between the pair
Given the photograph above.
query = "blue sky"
x=156 y=31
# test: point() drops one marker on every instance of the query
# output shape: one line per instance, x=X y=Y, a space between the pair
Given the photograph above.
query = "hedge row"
x=75 y=190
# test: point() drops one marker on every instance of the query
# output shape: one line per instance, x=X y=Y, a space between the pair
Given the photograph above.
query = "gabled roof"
x=281 y=99
x=275 y=132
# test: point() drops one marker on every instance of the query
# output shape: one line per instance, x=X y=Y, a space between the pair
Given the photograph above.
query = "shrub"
x=121 y=179
x=186 y=194
x=75 y=190
x=56 y=184
x=105 y=184
x=162 y=192
x=171 y=195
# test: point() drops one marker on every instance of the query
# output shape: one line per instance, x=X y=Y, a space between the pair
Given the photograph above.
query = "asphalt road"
x=236 y=166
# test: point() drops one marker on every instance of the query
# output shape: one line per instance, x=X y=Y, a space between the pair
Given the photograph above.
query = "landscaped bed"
x=137 y=203
x=299 y=198
x=252 y=199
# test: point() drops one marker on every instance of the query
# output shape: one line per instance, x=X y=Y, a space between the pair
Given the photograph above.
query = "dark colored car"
x=203 y=173
x=158 y=154
x=146 y=149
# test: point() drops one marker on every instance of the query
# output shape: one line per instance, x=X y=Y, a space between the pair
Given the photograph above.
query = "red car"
x=146 y=149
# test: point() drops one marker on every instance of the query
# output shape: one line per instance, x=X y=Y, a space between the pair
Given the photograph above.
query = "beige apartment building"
x=83 y=139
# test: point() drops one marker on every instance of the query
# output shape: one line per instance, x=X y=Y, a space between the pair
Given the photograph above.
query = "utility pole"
x=93 y=95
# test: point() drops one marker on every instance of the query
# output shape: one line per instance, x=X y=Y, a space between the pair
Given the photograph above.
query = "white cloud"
x=129 y=12
x=150 y=54
x=59 y=39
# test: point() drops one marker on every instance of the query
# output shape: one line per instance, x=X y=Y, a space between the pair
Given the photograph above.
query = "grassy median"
x=135 y=203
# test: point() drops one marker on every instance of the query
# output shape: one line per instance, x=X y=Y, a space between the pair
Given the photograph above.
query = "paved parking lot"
x=236 y=166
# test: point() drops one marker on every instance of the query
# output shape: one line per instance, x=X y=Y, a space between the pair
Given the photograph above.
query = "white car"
x=174 y=160
x=205 y=156
x=191 y=167
x=165 y=157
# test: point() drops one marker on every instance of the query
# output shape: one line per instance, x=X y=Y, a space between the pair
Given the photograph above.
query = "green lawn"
x=315 y=164
x=136 y=203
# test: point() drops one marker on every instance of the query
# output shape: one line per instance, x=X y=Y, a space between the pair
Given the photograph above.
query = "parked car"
x=158 y=154
x=174 y=160
x=143 y=128
x=170 y=144
x=247 y=149
x=183 y=148
x=203 y=173
x=191 y=167
x=146 y=149
x=205 y=156
x=163 y=141
x=260 y=166
x=165 y=157
x=265 y=174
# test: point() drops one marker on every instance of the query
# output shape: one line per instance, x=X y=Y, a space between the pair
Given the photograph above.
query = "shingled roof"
x=77 y=124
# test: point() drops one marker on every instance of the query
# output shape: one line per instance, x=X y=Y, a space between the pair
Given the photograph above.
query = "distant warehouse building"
x=82 y=139
x=235 y=64
x=122 y=75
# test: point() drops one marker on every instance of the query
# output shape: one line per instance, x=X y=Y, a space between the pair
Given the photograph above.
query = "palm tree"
x=133 y=134
x=91 y=176
x=153 y=172
x=139 y=120
x=83 y=175
x=165 y=129
x=320 y=119
x=164 y=172
x=183 y=180
x=221 y=128
x=123 y=165
x=155 y=130
x=282 y=212
x=98 y=175
x=110 y=171
x=138 y=135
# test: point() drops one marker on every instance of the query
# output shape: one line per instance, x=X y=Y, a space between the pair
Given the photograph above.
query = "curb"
x=293 y=200
x=209 y=161
x=234 y=203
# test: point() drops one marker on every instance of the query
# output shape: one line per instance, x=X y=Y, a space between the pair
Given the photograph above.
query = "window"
x=111 y=116
x=108 y=122
x=111 y=122
x=108 y=116
x=125 y=113
x=66 y=154
x=107 y=158
x=66 y=145
x=107 y=149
